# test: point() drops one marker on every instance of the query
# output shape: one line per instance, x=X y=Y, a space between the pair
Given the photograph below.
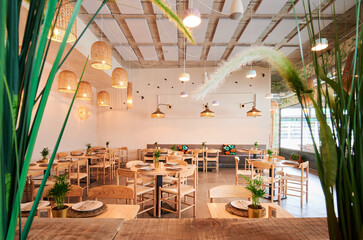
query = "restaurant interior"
x=181 y=119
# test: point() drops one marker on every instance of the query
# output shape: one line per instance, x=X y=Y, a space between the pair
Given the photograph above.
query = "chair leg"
x=159 y=199
x=301 y=194
x=194 y=203
x=154 y=201
x=104 y=175
x=307 y=190
x=217 y=166
x=179 y=207
x=279 y=191
x=272 y=192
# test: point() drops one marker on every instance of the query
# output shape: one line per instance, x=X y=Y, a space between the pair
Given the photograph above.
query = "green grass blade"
x=47 y=173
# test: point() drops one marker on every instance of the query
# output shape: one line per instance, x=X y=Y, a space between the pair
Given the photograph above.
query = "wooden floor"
x=315 y=207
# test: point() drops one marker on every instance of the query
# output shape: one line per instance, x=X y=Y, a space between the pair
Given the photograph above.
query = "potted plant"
x=269 y=153
x=295 y=157
x=107 y=144
x=256 y=145
x=173 y=148
x=59 y=191
x=203 y=145
x=45 y=153
x=88 y=145
x=157 y=156
x=255 y=209
x=156 y=145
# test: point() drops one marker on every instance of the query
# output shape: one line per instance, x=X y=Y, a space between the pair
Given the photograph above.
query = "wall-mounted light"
x=129 y=96
x=184 y=94
x=84 y=112
x=254 y=112
x=251 y=74
x=206 y=112
x=158 y=113
x=215 y=103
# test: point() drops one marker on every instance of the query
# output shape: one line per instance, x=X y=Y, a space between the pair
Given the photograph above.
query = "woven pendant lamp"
x=101 y=55
x=119 y=78
x=60 y=27
x=84 y=112
x=67 y=81
x=84 y=91
x=103 y=99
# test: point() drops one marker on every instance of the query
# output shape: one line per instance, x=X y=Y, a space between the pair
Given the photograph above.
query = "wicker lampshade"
x=103 y=99
x=129 y=96
x=83 y=112
x=84 y=91
x=101 y=55
x=67 y=81
x=119 y=78
x=61 y=25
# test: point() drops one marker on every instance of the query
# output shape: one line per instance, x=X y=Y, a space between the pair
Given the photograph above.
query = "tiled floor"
x=315 y=207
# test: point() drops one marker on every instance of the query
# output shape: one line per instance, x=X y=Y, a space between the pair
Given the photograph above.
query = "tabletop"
x=37 y=166
x=279 y=163
x=161 y=170
x=218 y=210
x=126 y=212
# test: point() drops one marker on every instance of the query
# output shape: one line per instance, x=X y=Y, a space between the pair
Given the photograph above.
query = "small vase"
x=157 y=164
x=45 y=160
x=270 y=159
x=60 y=213
x=255 y=213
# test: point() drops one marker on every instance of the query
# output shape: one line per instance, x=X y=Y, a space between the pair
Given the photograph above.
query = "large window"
x=295 y=132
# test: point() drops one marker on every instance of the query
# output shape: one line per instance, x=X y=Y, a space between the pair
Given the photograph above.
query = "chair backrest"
x=111 y=191
x=61 y=167
x=303 y=166
x=124 y=148
x=179 y=162
x=236 y=161
x=61 y=155
x=44 y=194
x=259 y=167
x=212 y=154
x=133 y=163
x=183 y=175
x=228 y=191
x=252 y=152
x=172 y=158
x=76 y=191
x=73 y=153
x=126 y=173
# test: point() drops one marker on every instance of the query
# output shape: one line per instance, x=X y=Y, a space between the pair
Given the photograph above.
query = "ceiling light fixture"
x=67 y=81
x=119 y=78
x=215 y=103
x=84 y=91
x=251 y=74
x=158 y=113
x=184 y=76
x=236 y=11
x=269 y=96
x=103 y=99
x=320 y=44
x=101 y=55
x=60 y=26
x=192 y=17
x=184 y=94
x=206 y=112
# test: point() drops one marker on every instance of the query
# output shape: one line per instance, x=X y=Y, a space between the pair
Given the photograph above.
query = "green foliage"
x=59 y=190
x=157 y=155
x=255 y=187
x=295 y=156
x=107 y=143
x=270 y=152
x=256 y=144
x=156 y=144
x=173 y=148
x=89 y=146
x=203 y=144
x=45 y=152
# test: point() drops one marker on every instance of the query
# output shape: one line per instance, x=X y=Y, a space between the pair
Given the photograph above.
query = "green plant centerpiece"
x=173 y=148
x=203 y=144
x=59 y=191
x=269 y=153
x=45 y=153
x=89 y=146
x=256 y=145
x=157 y=156
x=107 y=145
x=295 y=157
x=255 y=210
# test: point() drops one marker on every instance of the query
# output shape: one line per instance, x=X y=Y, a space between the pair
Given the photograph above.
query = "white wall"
x=77 y=133
x=135 y=128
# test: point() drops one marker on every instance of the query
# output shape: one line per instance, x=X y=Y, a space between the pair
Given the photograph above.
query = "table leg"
x=159 y=183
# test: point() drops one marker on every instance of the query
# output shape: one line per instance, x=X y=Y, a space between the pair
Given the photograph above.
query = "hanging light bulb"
x=184 y=94
x=215 y=103
x=191 y=17
x=236 y=11
x=206 y=112
x=320 y=44
x=251 y=74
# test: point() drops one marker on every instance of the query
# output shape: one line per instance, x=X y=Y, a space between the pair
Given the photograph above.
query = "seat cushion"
x=141 y=189
x=184 y=189
x=295 y=178
x=81 y=175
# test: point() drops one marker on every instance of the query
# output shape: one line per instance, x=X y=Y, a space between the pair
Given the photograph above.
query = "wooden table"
x=216 y=229
x=159 y=173
x=218 y=210
x=123 y=211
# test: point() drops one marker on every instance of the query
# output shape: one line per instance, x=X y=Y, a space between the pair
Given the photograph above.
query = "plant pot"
x=45 y=160
x=60 y=213
x=270 y=159
x=255 y=213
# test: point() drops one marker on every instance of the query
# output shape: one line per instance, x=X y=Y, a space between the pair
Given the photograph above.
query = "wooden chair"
x=142 y=194
x=61 y=155
x=172 y=158
x=101 y=167
x=148 y=155
x=44 y=194
x=76 y=153
x=228 y=191
x=199 y=157
x=179 y=192
x=212 y=155
x=75 y=192
x=296 y=183
x=124 y=155
x=112 y=192
x=260 y=168
x=179 y=162
x=170 y=180
x=78 y=171
x=239 y=178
